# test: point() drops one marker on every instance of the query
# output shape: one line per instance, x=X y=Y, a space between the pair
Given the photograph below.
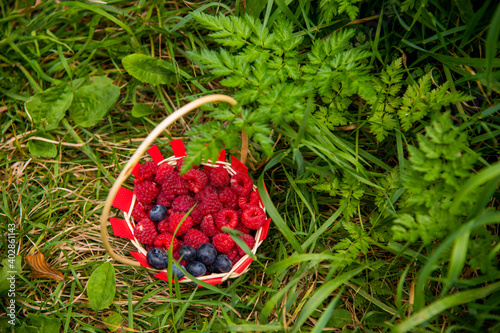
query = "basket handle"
x=127 y=170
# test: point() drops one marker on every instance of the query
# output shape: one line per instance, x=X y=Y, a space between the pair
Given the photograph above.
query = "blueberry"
x=196 y=268
x=177 y=271
x=158 y=213
x=157 y=258
x=223 y=263
x=206 y=254
x=213 y=269
x=187 y=253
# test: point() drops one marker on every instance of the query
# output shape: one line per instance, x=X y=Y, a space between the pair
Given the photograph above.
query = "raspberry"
x=223 y=242
x=226 y=218
x=242 y=184
x=246 y=202
x=146 y=192
x=197 y=214
x=219 y=177
x=147 y=171
x=165 y=198
x=228 y=198
x=145 y=231
x=163 y=226
x=249 y=240
x=173 y=183
x=211 y=204
x=175 y=219
x=233 y=253
x=207 y=172
x=197 y=180
x=241 y=227
x=207 y=190
x=195 y=238
x=253 y=217
x=138 y=212
x=207 y=226
x=162 y=171
x=236 y=259
x=164 y=240
x=182 y=203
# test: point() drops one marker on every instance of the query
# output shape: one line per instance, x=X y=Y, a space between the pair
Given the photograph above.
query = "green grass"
x=332 y=259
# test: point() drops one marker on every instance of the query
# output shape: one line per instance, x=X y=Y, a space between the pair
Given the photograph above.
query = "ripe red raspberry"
x=241 y=227
x=162 y=171
x=226 y=218
x=207 y=172
x=211 y=204
x=165 y=198
x=138 y=212
x=163 y=226
x=173 y=183
x=223 y=242
x=147 y=171
x=145 y=231
x=249 y=201
x=196 y=179
x=208 y=227
x=164 y=240
x=242 y=184
x=228 y=198
x=219 y=177
x=146 y=192
x=175 y=219
x=253 y=217
x=232 y=253
x=207 y=190
x=197 y=214
x=236 y=259
x=249 y=240
x=182 y=203
x=195 y=238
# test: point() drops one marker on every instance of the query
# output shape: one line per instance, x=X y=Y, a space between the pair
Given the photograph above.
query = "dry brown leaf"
x=41 y=268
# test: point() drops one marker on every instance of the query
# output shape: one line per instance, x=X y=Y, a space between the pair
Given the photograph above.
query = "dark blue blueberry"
x=177 y=271
x=223 y=263
x=213 y=269
x=196 y=268
x=206 y=254
x=157 y=258
x=157 y=213
x=187 y=253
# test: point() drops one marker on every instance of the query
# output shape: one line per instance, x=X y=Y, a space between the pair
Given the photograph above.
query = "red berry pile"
x=220 y=201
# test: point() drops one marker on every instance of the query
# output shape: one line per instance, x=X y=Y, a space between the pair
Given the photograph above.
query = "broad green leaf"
x=42 y=148
x=92 y=102
x=340 y=318
x=101 y=287
x=141 y=110
x=26 y=329
x=45 y=324
x=11 y=268
x=47 y=108
x=113 y=321
x=149 y=69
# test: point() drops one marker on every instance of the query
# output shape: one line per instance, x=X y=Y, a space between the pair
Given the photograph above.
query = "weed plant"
x=374 y=126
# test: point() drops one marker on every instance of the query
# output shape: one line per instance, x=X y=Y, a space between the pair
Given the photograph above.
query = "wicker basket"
x=124 y=199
